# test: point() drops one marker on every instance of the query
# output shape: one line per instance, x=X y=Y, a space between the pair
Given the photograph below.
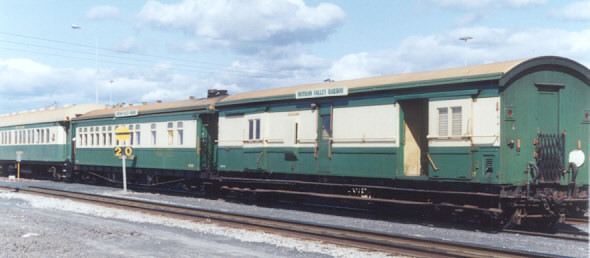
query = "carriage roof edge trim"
x=518 y=70
x=484 y=72
x=204 y=104
x=60 y=114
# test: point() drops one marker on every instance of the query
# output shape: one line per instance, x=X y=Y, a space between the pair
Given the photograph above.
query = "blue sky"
x=169 y=50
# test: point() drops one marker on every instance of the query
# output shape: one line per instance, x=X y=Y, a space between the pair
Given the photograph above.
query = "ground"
x=34 y=226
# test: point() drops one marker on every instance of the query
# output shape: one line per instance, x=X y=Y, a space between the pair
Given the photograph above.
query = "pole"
x=76 y=27
x=96 y=64
x=18 y=171
x=111 y=95
x=124 y=157
x=466 y=38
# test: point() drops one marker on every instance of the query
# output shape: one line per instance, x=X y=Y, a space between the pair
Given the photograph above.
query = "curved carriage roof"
x=47 y=115
x=174 y=106
x=484 y=72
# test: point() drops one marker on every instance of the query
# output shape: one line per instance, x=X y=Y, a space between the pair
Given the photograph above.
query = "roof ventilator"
x=212 y=93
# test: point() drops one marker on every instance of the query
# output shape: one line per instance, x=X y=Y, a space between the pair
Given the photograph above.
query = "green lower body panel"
x=42 y=153
x=450 y=162
x=173 y=158
x=476 y=164
x=354 y=162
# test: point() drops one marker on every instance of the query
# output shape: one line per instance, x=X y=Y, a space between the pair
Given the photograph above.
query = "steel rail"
x=578 y=221
x=571 y=237
x=384 y=242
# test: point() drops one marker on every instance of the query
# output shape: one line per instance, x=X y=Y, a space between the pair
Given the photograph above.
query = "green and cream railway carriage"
x=169 y=141
x=509 y=139
x=39 y=138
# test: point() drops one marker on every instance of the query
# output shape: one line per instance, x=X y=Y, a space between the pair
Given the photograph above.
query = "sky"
x=143 y=51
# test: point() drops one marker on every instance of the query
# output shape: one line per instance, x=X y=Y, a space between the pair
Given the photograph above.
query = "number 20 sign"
x=127 y=151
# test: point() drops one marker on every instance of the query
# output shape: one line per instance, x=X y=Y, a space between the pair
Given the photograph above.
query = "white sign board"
x=320 y=93
x=125 y=113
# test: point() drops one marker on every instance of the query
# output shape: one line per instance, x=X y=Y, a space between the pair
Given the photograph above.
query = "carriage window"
x=170 y=137
x=110 y=135
x=326 y=126
x=296 y=133
x=170 y=133
x=180 y=137
x=47 y=135
x=137 y=141
x=153 y=126
x=254 y=129
x=443 y=121
x=250 y=129
x=257 y=128
x=456 y=127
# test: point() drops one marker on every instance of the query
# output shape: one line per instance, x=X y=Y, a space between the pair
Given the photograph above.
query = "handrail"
x=259 y=156
x=315 y=149
x=460 y=136
x=330 y=148
x=335 y=140
x=274 y=140
x=431 y=162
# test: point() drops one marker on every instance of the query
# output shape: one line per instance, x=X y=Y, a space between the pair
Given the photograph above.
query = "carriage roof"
x=47 y=115
x=499 y=71
x=163 y=107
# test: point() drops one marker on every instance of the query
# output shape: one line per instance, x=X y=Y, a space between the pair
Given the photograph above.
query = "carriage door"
x=550 y=147
x=415 y=130
x=548 y=108
x=323 y=149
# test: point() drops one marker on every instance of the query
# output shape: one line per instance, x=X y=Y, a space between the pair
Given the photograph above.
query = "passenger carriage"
x=170 y=142
x=40 y=139
x=507 y=139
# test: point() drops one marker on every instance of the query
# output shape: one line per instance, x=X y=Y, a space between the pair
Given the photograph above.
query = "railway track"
x=569 y=235
x=577 y=221
x=391 y=243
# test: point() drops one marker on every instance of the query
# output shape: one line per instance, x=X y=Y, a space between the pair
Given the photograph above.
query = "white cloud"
x=30 y=85
x=462 y=4
x=247 y=25
x=525 y=3
x=578 y=11
x=485 y=4
x=420 y=53
x=128 y=44
x=102 y=12
x=470 y=12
